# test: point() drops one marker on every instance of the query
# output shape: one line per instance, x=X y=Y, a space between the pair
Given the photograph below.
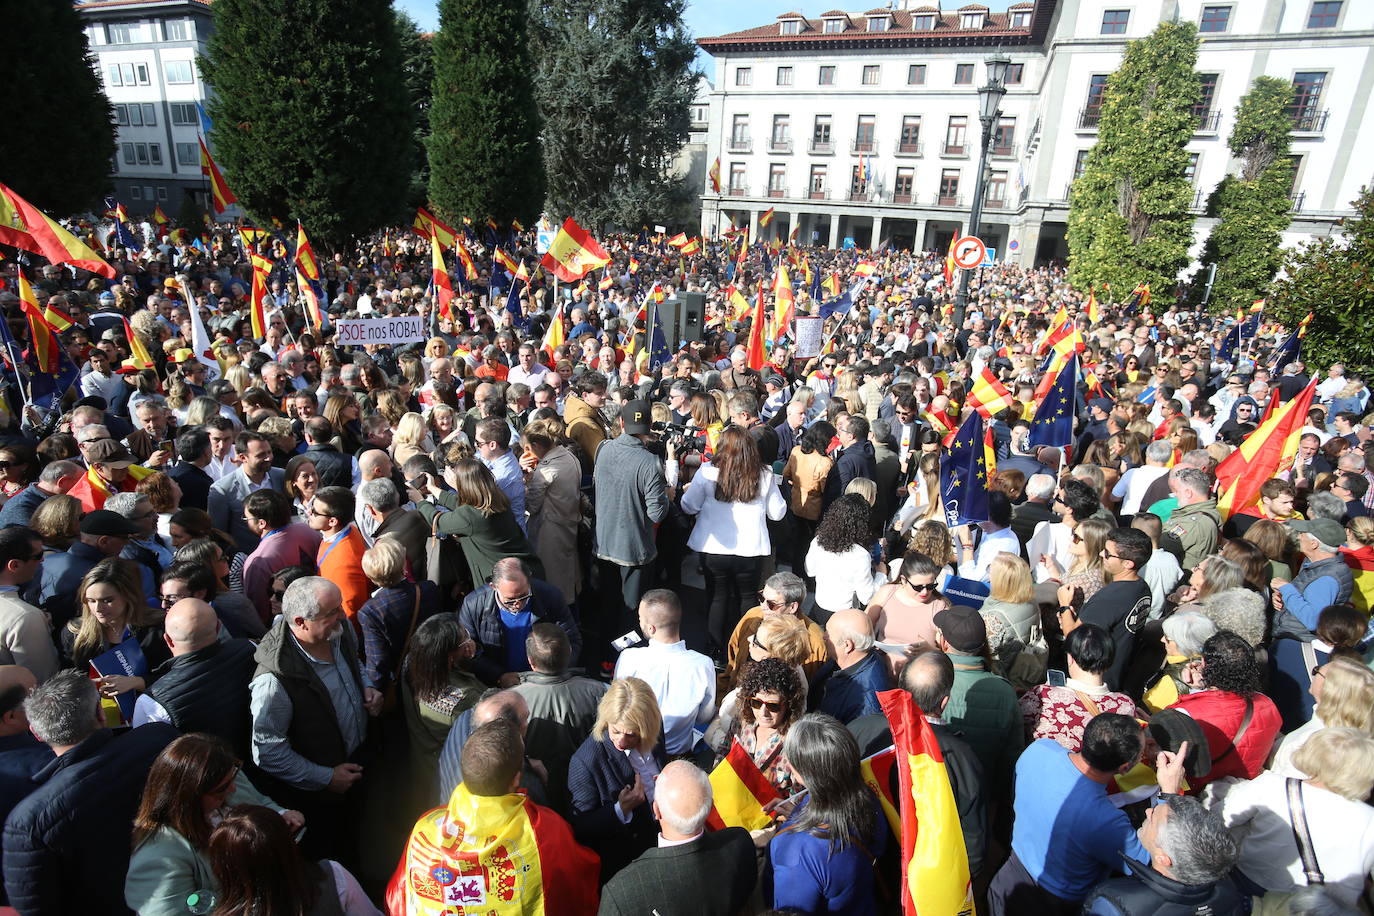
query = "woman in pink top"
x=904 y=611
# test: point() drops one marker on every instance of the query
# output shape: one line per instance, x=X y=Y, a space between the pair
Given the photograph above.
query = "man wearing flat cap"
x=111 y=470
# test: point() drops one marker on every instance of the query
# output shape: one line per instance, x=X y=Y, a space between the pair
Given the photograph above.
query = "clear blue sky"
x=705 y=17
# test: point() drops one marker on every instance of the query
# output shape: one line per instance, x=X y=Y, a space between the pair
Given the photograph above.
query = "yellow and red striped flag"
x=865 y=269
x=573 y=253
x=500 y=856
x=877 y=772
x=606 y=283
x=678 y=241
x=740 y=790
x=935 y=872
x=831 y=285
x=553 y=337
x=443 y=286
x=522 y=274
x=159 y=216
x=516 y=225
x=766 y=217
x=738 y=303
x=469 y=268
x=989 y=396
x=257 y=309
x=1265 y=453
x=308 y=277
x=1094 y=313
x=634 y=266
x=506 y=261
x=431 y=226
x=693 y=246
x=138 y=353
x=25 y=226
x=219 y=188
x=714 y=174
x=755 y=350
x=785 y=302
x=41 y=340
x=949 y=260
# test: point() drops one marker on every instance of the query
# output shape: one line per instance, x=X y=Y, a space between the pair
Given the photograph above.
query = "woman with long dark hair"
x=435 y=689
x=480 y=515
x=821 y=859
x=733 y=498
x=260 y=871
x=839 y=559
x=189 y=785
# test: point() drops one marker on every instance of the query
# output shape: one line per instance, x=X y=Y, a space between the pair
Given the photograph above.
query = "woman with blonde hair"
x=1010 y=614
x=411 y=438
x=847 y=390
x=1343 y=689
x=202 y=409
x=611 y=776
x=1359 y=556
x=239 y=377
x=481 y=518
x=57 y=520
x=932 y=538
x=1085 y=573
x=113 y=609
x=436 y=348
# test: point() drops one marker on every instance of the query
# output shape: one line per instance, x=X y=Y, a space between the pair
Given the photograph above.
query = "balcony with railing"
x=908 y=149
x=995 y=203
x=1003 y=151
x=858 y=194
x=1199 y=201
x=777 y=191
x=822 y=147
x=957 y=150
x=1089 y=117
x=864 y=146
x=902 y=197
x=739 y=190
x=780 y=145
x=741 y=145
x=1296 y=202
x=949 y=200
x=817 y=194
x=1309 y=120
x=1208 y=120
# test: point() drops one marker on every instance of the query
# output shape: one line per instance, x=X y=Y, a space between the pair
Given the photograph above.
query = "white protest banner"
x=807 y=330
x=397 y=330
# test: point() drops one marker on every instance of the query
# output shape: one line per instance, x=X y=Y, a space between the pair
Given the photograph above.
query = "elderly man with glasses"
x=783 y=593
x=501 y=614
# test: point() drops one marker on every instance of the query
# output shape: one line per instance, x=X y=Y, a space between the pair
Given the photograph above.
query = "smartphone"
x=165 y=445
x=1056 y=678
x=629 y=639
x=420 y=483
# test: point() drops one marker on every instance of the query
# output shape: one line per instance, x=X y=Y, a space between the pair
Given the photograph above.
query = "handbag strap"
x=414 y=615
x=1240 y=732
x=1087 y=702
x=1297 y=814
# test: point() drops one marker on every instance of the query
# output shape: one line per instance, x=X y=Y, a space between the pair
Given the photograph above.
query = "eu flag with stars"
x=964 y=472
x=1053 y=423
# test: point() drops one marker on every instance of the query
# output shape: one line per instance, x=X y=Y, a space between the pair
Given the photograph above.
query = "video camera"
x=682 y=438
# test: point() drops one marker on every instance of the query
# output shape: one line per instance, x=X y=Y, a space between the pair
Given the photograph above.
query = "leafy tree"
x=1333 y=278
x=56 y=147
x=1128 y=219
x=615 y=87
x=417 y=54
x=485 y=158
x=311 y=116
x=1252 y=206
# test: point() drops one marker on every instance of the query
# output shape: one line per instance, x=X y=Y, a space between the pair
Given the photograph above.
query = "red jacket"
x=1220 y=713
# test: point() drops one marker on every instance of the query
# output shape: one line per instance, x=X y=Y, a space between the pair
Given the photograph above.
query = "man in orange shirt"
x=341 y=546
x=492 y=368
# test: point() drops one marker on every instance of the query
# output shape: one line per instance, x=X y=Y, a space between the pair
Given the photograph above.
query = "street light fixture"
x=989 y=109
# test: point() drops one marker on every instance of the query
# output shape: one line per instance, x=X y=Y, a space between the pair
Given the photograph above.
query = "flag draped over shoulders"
x=497 y=856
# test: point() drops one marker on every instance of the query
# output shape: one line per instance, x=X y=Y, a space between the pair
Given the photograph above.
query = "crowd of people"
x=464 y=624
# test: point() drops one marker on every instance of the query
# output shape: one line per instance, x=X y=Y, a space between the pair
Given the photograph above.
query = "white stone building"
x=146 y=56
x=799 y=105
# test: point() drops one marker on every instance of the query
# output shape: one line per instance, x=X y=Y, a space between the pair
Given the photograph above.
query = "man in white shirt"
x=684 y=681
x=527 y=371
x=1130 y=489
x=100 y=381
x=1333 y=383
x=997 y=537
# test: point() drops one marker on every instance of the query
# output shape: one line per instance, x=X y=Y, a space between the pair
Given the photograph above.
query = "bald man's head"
x=682 y=800
x=505 y=704
x=374 y=463
x=16 y=682
x=851 y=633
x=190 y=625
x=929 y=678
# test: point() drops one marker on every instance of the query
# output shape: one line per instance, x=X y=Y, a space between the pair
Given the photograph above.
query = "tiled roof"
x=947 y=25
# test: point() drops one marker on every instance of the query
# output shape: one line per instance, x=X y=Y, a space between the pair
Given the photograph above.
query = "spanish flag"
x=506 y=261
x=42 y=343
x=257 y=312
x=693 y=246
x=877 y=772
x=219 y=188
x=308 y=277
x=553 y=337
x=1265 y=453
x=574 y=253
x=464 y=258
x=785 y=302
x=431 y=226
x=766 y=217
x=754 y=351
x=678 y=241
x=443 y=287
x=714 y=174
x=989 y=396
x=139 y=358
x=634 y=266
x=934 y=862
x=516 y=225
x=498 y=856
x=740 y=790
x=949 y=260
x=865 y=269
x=25 y=226
x=1094 y=313
x=831 y=285
x=739 y=305
x=159 y=216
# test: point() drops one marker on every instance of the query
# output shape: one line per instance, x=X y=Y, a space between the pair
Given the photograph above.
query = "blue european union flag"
x=1226 y=352
x=205 y=122
x=1053 y=423
x=658 y=343
x=964 y=475
x=513 y=306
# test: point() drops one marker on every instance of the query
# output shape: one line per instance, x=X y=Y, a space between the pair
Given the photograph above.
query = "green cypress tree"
x=1128 y=219
x=1333 y=278
x=311 y=116
x=417 y=53
x=484 y=151
x=59 y=137
x=1252 y=206
x=615 y=88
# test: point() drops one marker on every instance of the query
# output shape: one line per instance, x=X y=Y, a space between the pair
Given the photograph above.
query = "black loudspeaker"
x=693 y=314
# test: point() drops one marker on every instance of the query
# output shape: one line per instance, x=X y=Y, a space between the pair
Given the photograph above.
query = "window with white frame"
x=923 y=22
x=972 y=19
x=175 y=30
x=184 y=114
x=916 y=74
x=1020 y=19
x=826 y=76
x=187 y=154
x=871 y=74
x=790 y=27
x=878 y=23
x=179 y=72
x=784 y=76
x=833 y=26
x=744 y=76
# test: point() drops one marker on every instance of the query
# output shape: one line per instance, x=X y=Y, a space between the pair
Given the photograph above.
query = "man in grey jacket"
x=632 y=496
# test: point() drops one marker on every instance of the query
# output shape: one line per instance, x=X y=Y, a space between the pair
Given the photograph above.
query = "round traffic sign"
x=969 y=252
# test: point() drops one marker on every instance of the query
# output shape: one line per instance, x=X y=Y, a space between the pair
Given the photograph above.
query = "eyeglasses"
x=512 y=603
x=771 y=605
x=227 y=786
x=1077 y=538
x=773 y=706
x=169 y=600
x=1317 y=671
x=754 y=641
x=313 y=511
x=920 y=586
x=1108 y=555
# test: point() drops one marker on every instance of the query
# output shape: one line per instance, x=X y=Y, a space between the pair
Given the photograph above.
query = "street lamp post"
x=989 y=109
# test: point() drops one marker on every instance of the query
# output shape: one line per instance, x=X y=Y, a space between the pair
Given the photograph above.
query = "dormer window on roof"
x=972 y=19
x=923 y=22
x=879 y=23
x=1020 y=19
x=790 y=24
x=834 y=25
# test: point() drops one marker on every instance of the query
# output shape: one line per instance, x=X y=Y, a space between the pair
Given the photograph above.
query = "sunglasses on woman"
x=773 y=706
x=920 y=586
